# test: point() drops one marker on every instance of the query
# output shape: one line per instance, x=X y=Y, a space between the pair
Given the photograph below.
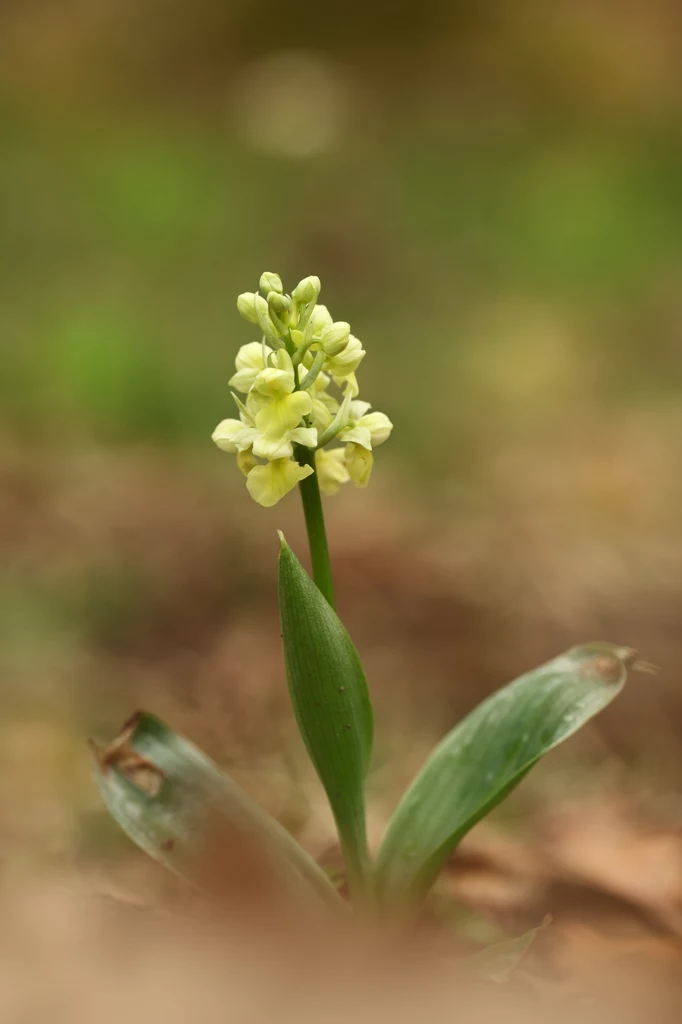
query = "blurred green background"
x=492 y=196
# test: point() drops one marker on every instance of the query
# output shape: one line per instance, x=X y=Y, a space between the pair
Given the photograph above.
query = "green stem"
x=355 y=852
x=356 y=857
x=314 y=521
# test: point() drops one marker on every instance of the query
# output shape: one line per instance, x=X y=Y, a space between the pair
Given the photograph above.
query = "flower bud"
x=278 y=303
x=246 y=304
x=320 y=321
x=347 y=361
x=263 y=320
x=335 y=338
x=307 y=290
x=270 y=283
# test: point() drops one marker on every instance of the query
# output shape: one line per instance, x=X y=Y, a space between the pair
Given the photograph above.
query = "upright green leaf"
x=486 y=755
x=176 y=804
x=331 y=702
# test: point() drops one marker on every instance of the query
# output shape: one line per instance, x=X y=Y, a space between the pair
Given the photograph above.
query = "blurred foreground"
x=120 y=962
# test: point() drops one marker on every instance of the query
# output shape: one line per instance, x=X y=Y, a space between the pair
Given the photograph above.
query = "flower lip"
x=268 y=484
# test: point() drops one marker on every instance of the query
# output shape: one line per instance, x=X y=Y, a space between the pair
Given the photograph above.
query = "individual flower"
x=331 y=469
x=342 y=366
x=334 y=339
x=251 y=359
x=233 y=436
x=364 y=431
x=359 y=461
x=369 y=429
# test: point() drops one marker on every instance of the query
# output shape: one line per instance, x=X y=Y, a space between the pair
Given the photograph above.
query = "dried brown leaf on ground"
x=604 y=843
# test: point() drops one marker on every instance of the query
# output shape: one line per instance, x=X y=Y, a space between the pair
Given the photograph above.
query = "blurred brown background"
x=491 y=195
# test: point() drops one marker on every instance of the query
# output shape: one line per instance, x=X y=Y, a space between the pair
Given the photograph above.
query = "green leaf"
x=331 y=703
x=486 y=755
x=178 y=806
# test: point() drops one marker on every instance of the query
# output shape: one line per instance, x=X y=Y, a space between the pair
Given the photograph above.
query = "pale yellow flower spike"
x=290 y=379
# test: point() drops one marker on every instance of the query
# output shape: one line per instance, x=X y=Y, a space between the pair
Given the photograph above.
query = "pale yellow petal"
x=278 y=417
x=321 y=416
x=359 y=463
x=225 y=435
x=267 y=484
x=246 y=438
x=272 y=448
x=251 y=356
x=331 y=469
x=320 y=320
x=278 y=380
x=243 y=380
x=274 y=383
x=249 y=363
x=246 y=461
x=283 y=361
x=358 y=409
x=304 y=435
x=357 y=434
x=378 y=425
x=254 y=403
x=346 y=362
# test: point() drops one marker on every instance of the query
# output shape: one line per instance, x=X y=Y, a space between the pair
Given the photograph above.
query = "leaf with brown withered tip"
x=486 y=755
x=181 y=809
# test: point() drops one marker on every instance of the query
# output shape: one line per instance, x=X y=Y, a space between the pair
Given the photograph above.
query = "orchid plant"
x=300 y=422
